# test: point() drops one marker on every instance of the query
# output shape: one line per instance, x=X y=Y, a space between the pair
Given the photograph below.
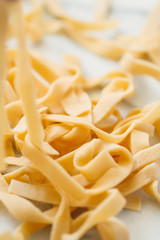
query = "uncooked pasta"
x=61 y=146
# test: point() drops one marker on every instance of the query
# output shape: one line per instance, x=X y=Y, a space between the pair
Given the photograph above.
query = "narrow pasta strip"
x=9 y=93
x=88 y=162
x=61 y=224
x=146 y=156
x=104 y=48
x=138 y=180
x=23 y=209
x=43 y=193
x=138 y=66
x=56 y=92
x=60 y=177
x=113 y=228
x=24 y=80
x=104 y=136
x=133 y=203
x=48 y=70
x=3 y=184
x=76 y=102
x=18 y=161
x=15 y=174
x=152 y=190
x=55 y=131
x=26 y=229
x=9 y=147
x=101 y=110
x=103 y=211
x=138 y=141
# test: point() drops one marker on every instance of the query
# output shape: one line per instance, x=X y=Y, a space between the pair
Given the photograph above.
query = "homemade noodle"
x=61 y=146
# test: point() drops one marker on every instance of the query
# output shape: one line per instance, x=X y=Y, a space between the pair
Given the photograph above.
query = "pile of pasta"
x=67 y=148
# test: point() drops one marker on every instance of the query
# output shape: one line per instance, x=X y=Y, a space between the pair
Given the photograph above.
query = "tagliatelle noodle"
x=15 y=174
x=146 y=156
x=133 y=202
x=138 y=140
x=26 y=229
x=111 y=173
x=3 y=24
x=149 y=115
x=15 y=204
x=152 y=189
x=141 y=178
x=113 y=229
x=138 y=66
x=45 y=193
x=18 y=161
x=24 y=79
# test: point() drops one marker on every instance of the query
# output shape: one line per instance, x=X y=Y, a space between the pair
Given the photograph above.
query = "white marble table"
x=144 y=225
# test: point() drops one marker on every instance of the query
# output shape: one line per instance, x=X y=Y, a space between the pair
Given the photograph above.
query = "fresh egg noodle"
x=60 y=145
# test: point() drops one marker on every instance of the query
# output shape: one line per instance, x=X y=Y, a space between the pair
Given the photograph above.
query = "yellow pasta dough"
x=61 y=146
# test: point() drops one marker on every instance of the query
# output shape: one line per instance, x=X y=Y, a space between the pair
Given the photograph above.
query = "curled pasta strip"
x=117 y=136
x=43 y=193
x=139 y=66
x=15 y=205
x=112 y=94
x=89 y=162
x=146 y=156
x=18 y=161
x=148 y=116
x=152 y=189
x=26 y=229
x=99 y=214
x=140 y=179
x=139 y=140
x=112 y=228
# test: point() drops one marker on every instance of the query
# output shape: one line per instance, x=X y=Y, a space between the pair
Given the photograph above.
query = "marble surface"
x=144 y=225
